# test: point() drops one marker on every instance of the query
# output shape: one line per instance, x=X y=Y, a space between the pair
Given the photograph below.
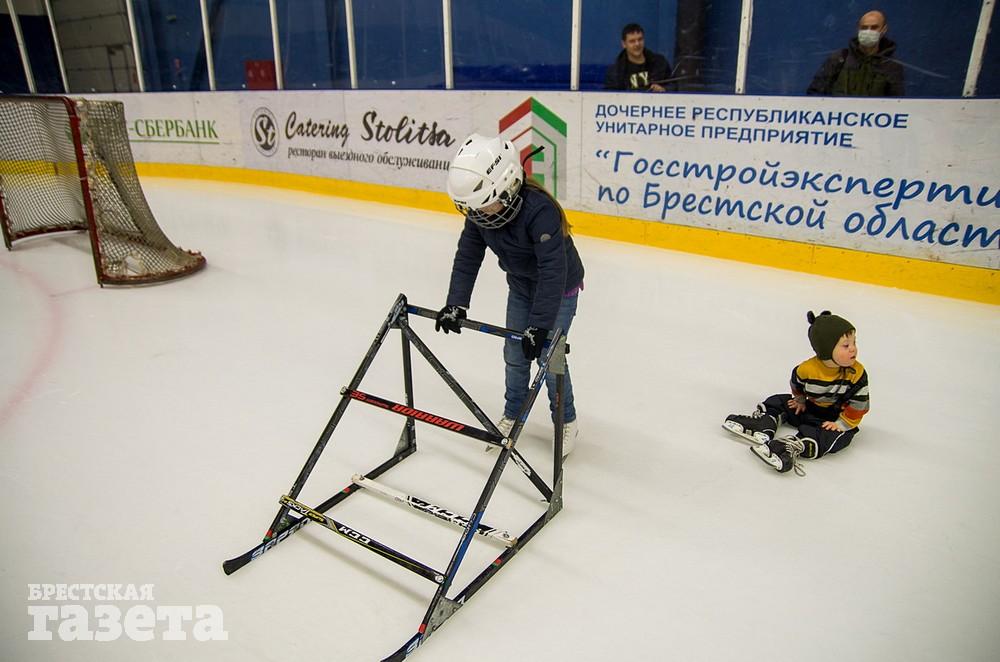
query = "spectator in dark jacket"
x=637 y=67
x=866 y=68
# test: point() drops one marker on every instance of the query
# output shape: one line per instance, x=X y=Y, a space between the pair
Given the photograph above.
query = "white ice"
x=148 y=432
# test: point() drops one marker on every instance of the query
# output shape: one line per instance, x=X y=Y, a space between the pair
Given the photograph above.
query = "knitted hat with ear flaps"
x=825 y=330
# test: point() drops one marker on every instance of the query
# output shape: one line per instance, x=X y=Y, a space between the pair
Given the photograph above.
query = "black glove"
x=450 y=318
x=532 y=341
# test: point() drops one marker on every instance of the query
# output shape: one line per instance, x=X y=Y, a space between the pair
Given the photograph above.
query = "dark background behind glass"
x=313 y=38
x=506 y=44
x=172 y=45
x=511 y=44
x=933 y=39
x=400 y=43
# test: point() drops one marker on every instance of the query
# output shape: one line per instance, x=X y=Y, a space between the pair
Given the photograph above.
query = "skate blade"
x=743 y=435
x=766 y=459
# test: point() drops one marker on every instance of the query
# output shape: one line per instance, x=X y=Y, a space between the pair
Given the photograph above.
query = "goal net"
x=66 y=165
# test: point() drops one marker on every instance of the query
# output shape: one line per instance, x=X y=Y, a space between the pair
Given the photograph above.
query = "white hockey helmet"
x=486 y=171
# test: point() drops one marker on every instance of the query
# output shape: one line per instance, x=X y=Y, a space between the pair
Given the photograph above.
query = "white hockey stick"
x=431 y=509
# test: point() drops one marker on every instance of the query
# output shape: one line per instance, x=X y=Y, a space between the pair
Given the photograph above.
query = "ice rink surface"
x=148 y=432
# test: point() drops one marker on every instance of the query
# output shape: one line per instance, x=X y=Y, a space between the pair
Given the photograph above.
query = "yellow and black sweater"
x=839 y=394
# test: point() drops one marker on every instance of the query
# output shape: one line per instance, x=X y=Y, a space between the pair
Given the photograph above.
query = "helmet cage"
x=486 y=173
x=493 y=221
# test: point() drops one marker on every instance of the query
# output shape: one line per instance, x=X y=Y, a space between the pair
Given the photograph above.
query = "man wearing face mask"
x=866 y=68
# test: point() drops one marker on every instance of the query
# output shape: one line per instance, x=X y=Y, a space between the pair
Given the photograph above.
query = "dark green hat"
x=825 y=330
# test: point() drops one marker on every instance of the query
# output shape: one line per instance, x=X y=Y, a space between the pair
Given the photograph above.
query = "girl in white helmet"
x=527 y=230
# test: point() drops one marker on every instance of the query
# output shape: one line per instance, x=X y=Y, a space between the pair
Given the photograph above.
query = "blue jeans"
x=518 y=371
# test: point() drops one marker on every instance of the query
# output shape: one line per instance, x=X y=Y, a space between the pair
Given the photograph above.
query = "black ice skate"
x=781 y=454
x=758 y=427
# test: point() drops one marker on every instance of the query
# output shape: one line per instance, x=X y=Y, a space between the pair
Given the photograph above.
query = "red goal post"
x=66 y=165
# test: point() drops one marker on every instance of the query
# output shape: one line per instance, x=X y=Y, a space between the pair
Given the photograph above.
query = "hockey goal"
x=66 y=164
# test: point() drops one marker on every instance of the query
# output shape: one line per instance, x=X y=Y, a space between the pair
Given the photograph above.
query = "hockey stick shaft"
x=466 y=593
x=432 y=509
x=477 y=583
x=443 y=372
x=431 y=621
x=279 y=535
x=452 y=383
x=480 y=415
x=483 y=327
x=421 y=415
x=397 y=307
x=359 y=538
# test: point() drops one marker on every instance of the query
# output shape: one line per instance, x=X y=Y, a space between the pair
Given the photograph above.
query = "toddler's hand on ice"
x=796 y=406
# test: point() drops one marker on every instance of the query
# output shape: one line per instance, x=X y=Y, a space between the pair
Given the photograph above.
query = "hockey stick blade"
x=406 y=649
x=234 y=564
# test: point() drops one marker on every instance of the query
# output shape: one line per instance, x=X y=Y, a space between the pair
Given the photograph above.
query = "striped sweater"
x=842 y=389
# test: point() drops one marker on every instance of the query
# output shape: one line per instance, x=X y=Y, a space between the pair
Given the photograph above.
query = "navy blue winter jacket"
x=540 y=263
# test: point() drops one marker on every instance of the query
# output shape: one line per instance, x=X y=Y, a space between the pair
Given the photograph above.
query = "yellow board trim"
x=950 y=280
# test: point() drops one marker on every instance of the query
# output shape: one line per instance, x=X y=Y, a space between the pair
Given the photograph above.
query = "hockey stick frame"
x=285 y=523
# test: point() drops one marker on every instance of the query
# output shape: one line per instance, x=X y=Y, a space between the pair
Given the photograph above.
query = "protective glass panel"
x=313 y=38
x=172 y=45
x=698 y=38
x=96 y=45
x=511 y=44
x=924 y=53
x=989 y=77
x=241 y=44
x=400 y=44
x=12 y=79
